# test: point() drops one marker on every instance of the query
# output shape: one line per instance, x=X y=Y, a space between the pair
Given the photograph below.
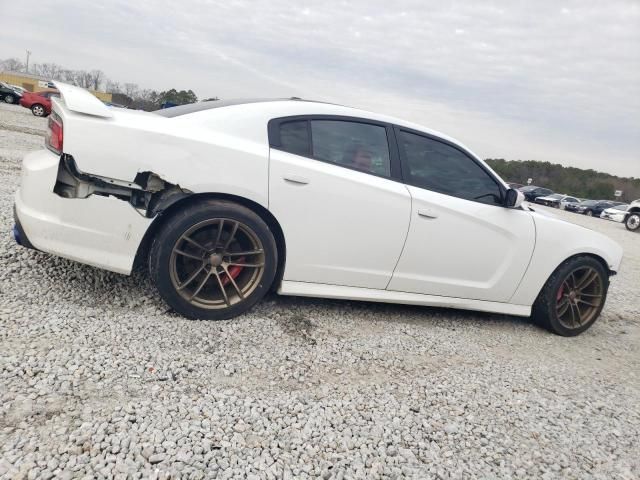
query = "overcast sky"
x=546 y=80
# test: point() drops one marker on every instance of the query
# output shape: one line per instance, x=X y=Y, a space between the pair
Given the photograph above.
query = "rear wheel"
x=38 y=110
x=213 y=260
x=8 y=98
x=633 y=222
x=573 y=297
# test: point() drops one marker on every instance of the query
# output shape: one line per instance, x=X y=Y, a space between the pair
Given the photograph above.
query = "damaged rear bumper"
x=102 y=231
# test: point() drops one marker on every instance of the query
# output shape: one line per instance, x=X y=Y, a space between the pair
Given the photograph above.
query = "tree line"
x=569 y=180
x=127 y=94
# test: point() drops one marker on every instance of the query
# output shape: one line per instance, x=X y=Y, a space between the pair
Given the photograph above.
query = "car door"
x=462 y=242
x=334 y=187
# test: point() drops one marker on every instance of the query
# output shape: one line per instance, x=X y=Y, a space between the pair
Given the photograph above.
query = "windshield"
x=555 y=195
x=528 y=188
x=621 y=207
x=589 y=202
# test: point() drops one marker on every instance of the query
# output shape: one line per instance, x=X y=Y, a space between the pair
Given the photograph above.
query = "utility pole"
x=28 y=55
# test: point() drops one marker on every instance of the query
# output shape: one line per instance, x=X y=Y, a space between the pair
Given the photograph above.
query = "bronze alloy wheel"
x=580 y=297
x=217 y=263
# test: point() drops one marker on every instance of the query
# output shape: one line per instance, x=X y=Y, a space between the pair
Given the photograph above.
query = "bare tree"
x=84 y=79
x=131 y=90
x=12 y=65
x=113 y=87
x=96 y=78
x=69 y=76
x=51 y=71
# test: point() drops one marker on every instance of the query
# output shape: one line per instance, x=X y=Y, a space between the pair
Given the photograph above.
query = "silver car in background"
x=557 y=200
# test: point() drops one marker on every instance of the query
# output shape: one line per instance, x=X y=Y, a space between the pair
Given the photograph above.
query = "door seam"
x=533 y=251
x=405 y=237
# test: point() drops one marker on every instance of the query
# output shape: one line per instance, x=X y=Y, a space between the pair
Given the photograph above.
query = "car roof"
x=211 y=104
x=294 y=106
x=269 y=108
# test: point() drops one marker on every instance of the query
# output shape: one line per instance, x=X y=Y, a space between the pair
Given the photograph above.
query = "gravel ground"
x=97 y=380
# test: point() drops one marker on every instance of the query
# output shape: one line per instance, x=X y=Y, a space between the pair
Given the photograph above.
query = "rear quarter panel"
x=181 y=151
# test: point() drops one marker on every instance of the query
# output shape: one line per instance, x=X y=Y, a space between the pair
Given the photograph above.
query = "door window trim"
x=395 y=169
x=404 y=163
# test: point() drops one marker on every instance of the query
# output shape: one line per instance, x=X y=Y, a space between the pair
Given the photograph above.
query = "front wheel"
x=8 y=98
x=633 y=222
x=573 y=297
x=213 y=260
x=38 y=110
x=589 y=213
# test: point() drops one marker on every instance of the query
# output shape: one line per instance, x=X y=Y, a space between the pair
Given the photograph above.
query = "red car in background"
x=39 y=102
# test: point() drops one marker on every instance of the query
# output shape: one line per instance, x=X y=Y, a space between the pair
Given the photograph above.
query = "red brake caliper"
x=234 y=271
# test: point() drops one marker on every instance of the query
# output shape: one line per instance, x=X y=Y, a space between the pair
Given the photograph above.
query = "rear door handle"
x=427 y=213
x=296 y=179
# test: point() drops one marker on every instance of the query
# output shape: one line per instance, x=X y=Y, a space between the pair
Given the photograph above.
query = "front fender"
x=556 y=241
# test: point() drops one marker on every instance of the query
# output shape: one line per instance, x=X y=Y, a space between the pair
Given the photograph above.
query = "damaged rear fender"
x=148 y=192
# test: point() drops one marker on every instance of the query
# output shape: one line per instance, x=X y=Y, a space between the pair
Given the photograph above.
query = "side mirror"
x=513 y=198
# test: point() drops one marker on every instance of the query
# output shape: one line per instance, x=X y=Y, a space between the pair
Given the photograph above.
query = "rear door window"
x=361 y=146
x=294 y=137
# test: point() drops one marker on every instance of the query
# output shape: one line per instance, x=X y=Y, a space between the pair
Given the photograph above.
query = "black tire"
x=632 y=222
x=162 y=263
x=8 y=98
x=589 y=213
x=545 y=308
x=38 y=110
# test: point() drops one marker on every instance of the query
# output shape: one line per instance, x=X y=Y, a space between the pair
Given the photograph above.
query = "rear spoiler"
x=82 y=101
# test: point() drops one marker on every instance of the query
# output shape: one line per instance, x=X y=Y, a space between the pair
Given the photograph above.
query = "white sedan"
x=616 y=214
x=557 y=200
x=226 y=200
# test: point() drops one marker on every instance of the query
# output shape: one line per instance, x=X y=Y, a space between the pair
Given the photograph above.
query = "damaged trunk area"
x=148 y=192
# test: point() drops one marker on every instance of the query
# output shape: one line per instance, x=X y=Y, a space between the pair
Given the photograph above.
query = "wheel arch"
x=542 y=268
x=186 y=200
x=632 y=210
x=594 y=256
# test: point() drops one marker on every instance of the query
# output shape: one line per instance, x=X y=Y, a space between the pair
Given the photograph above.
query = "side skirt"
x=304 y=289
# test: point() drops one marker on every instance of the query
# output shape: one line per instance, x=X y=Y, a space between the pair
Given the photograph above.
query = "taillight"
x=54 y=135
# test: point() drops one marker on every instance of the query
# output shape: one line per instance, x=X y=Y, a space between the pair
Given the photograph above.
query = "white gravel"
x=98 y=381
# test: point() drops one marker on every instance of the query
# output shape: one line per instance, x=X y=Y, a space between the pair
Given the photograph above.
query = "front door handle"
x=427 y=213
x=296 y=179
